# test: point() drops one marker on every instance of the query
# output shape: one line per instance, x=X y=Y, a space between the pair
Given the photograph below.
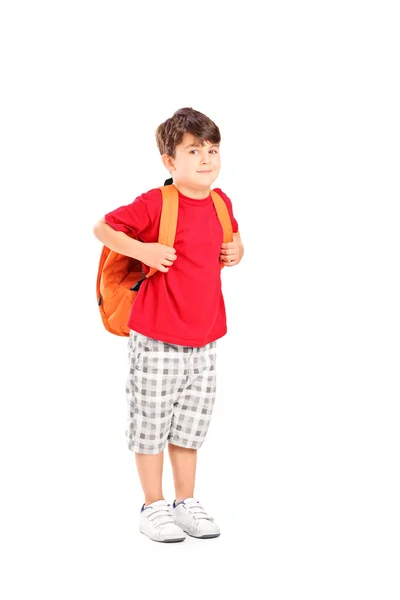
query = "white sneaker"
x=192 y=518
x=157 y=523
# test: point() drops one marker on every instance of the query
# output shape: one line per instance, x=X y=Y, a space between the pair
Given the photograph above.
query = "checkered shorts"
x=170 y=392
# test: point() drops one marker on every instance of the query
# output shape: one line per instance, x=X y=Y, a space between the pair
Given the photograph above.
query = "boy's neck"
x=196 y=194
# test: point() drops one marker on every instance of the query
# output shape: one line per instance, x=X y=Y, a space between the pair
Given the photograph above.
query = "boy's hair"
x=185 y=120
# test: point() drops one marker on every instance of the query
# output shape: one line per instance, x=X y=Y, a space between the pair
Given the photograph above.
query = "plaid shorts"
x=170 y=392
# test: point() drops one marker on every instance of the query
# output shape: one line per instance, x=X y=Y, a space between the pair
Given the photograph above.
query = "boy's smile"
x=194 y=168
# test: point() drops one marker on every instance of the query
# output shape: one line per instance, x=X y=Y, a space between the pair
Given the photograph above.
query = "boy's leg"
x=154 y=370
x=192 y=413
x=149 y=410
x=150 y=469
x=183 y=463
x=156 y=519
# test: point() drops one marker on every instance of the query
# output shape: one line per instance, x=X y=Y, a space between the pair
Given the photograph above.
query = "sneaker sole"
x=171 y=541
x=206 y=536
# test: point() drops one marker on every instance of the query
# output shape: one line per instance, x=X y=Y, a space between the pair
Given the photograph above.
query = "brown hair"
x=185 y=120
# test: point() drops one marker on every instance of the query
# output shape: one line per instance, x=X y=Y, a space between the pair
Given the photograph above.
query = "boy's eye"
x=212 y=150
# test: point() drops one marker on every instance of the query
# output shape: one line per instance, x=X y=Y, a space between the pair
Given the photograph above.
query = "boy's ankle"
x=150 y=500
x=179 y=500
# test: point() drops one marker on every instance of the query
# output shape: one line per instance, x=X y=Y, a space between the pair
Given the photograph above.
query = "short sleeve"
x=131 y=219
x=235 y=226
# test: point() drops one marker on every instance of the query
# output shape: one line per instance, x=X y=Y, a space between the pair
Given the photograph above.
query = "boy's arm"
x=154 y=255
x=232 y=252
x=117 y=241
x=238 y=241
x=237 y=238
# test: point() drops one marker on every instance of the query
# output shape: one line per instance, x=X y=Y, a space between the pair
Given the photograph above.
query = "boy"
x=177 y=316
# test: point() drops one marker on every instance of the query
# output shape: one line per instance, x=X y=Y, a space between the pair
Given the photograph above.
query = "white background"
x=301 y=465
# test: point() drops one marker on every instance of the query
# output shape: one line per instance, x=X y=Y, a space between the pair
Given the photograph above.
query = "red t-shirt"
x=184 y=306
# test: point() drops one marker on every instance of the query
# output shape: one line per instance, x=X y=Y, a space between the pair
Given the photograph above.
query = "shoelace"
x=197 y=510
x=160 y=515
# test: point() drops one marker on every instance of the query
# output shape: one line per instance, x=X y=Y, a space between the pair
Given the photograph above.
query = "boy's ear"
x=168 y=162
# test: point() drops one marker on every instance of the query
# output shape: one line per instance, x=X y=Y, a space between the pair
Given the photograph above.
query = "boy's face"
x=195 y=167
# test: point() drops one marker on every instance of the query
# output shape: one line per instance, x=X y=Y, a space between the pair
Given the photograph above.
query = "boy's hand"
x=232 y=252
x=158 y=256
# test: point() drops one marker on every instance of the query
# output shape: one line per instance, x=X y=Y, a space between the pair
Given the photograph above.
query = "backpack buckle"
x=137 y=285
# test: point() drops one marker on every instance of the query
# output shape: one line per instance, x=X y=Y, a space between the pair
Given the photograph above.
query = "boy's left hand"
x=232 y=252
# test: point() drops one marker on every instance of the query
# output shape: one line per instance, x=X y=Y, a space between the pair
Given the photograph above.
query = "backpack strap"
x=223 y=216
x=168 y=222
x=168 y=219
x=169 y=215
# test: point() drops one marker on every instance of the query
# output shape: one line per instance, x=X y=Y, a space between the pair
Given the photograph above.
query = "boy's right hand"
x=158 y=256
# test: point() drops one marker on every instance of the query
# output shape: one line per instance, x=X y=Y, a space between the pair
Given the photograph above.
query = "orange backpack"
x=119 y=277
